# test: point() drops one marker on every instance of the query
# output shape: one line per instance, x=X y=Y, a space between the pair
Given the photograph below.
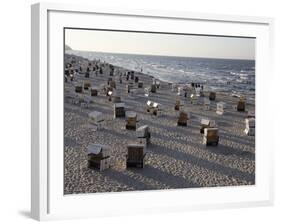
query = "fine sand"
x=176 y=157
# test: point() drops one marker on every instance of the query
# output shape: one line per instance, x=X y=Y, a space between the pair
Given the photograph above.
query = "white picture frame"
x=48 y=201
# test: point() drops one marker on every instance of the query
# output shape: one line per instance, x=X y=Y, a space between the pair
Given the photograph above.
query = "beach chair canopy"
x=155 y=105
x=142 y=131
x=119 y=105
x=97 y=149
x=205 y=121
x=131 y=114
x=95 y=88
x=149 y=103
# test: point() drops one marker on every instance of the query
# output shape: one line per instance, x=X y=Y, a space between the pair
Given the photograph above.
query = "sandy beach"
x=176 y=157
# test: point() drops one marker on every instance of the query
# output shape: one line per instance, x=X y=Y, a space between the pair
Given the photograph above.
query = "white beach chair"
x=250 y=126
x=97 y=120
x=221 y=106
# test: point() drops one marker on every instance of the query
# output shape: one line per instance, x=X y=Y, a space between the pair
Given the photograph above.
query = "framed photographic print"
x=138 y=111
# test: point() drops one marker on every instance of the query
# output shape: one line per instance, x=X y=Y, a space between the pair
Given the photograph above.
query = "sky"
x=161 y=44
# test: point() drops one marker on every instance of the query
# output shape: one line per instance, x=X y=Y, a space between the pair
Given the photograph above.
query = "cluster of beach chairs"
x=99 y=156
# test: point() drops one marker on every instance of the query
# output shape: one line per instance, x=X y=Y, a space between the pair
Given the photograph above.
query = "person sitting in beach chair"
x=98 y=156
x=135 y=155
x=211 y=136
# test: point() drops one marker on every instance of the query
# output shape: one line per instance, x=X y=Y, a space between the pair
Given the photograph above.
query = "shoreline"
x=216 y=88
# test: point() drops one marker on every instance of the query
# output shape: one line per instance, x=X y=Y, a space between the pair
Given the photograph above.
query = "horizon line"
x=241 y=59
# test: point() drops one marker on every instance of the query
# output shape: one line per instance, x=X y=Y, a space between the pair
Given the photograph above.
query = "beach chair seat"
x=211 y=136
x=135 y=155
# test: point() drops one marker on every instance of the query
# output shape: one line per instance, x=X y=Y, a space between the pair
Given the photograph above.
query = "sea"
x=228 y=75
